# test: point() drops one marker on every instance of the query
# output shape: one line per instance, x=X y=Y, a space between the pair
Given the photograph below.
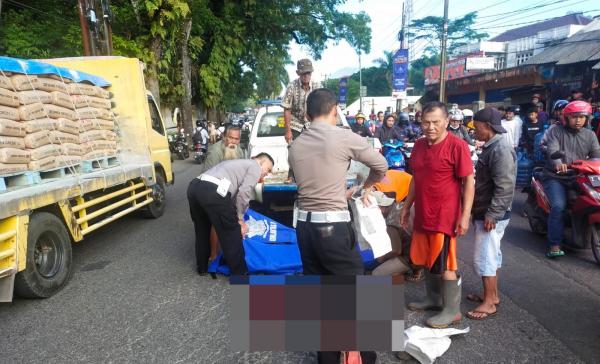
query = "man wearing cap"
x=495 y=176
x=359 y=126
x=514 y=127
x=294 y=101
x=320 y=158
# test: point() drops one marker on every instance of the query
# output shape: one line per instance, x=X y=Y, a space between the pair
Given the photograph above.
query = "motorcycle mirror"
x=557 y=155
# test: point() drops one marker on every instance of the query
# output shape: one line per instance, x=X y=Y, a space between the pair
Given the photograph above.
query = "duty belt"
x=323 y=216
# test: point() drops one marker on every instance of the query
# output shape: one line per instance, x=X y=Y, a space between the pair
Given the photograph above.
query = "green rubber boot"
x=451 y=312
x=433 y=300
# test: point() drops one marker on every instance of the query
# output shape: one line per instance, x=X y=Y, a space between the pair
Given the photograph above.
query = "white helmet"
x=456 y=114
x=467 y=113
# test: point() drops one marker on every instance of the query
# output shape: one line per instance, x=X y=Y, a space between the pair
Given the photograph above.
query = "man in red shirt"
x=442 y=191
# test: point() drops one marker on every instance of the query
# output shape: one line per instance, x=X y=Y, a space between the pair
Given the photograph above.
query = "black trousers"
x=330 y=249
x=208 y=209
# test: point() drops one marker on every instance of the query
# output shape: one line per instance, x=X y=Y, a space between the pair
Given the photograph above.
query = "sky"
x=386 y=17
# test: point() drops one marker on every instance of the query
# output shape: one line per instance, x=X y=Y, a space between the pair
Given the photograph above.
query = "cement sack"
x=67 y=160
x=59 y=137
x=91 y=135
x=24 y=82
x=82 y=101
x=67 y=126
x=12 y=128
x=9 y=98
x=12 y=142
x=99 y=154
x=33 y=96
x=96 y=124
x=5 y=81
x=59 y=78
x=48 y=150
x=33 y=126
x=73 y=149
x=50 y=85
x=98 y=145
x=37 y=139
x=93 y=112
x=43 y=164
x=89 y=90
x=12 y=155
x=32 y=111
x=56 y=112
x=10 y=113
x=62 y=99
x=12 y=168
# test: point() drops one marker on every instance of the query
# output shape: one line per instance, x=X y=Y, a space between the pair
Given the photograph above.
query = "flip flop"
x=554 y=254
x=474 y=297
x=485 y=316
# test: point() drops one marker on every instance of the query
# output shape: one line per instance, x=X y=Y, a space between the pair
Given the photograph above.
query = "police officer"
x=219 y=197
x=320 y=157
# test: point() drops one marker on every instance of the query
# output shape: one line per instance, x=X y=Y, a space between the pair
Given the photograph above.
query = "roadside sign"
x=480 y=63
x=363 y=91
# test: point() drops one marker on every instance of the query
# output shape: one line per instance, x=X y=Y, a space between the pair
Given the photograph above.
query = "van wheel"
x=49 y=258
x=157 y=207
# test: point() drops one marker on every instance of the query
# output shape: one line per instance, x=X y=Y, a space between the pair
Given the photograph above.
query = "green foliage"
x=460 y=32
x=416 y=72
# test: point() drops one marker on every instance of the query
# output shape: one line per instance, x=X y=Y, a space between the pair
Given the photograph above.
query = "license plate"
x=595 y=180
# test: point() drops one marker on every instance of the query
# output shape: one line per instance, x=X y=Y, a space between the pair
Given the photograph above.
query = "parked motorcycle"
x=582 y=218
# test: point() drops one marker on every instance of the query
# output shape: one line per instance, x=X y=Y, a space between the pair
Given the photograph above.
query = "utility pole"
x=85 y=31
x=360 y=80
x=444 y=45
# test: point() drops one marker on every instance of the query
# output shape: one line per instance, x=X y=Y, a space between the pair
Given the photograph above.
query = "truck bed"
x=45 y=193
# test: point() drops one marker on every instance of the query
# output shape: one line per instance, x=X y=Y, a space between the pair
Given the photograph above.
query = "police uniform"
x=320 y=158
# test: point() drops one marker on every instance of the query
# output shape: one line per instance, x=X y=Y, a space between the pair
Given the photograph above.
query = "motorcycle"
x=180 y=145
x=199 y=152
x=582 y=217
x=394 y=153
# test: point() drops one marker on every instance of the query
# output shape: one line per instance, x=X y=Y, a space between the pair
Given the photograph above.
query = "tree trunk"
x=186 y=78
x=152 y=76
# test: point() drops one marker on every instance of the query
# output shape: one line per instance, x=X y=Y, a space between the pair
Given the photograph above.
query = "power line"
x=520 y=10
x=529 y=22
x=528 y=15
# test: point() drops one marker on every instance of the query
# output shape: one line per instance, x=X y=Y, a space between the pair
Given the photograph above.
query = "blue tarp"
x=32 y=67
x=272 y=248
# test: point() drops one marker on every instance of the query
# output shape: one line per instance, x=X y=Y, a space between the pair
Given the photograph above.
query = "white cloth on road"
x=426 y=345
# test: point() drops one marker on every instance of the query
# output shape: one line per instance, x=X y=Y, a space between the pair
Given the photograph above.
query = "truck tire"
x=49 y=258
x=157 y=207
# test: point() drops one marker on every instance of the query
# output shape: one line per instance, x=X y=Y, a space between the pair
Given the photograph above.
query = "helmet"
x=578 y=107
x=456 y=114
x=559 y=105
x=198 y=123
x=360 y=115
x=403 y=117
x=467 y=113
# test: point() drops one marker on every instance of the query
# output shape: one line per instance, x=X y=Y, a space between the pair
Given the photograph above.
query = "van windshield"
x=271 y=125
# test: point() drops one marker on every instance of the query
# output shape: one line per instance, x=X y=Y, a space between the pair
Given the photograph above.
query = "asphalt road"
x=134 y=297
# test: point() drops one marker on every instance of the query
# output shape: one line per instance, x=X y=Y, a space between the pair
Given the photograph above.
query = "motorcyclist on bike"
x=403 y=125
x=576 y=142
x=456 y=126
x=201 y=133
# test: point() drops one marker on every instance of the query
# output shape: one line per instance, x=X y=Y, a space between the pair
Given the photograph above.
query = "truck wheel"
x=49 y=258
x=157 y=207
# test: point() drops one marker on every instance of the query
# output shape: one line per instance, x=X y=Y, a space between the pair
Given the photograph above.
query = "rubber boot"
x=451 y=313
x=433 y=300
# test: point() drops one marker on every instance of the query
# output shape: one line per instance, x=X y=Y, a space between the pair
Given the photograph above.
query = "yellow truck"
x=39 y=222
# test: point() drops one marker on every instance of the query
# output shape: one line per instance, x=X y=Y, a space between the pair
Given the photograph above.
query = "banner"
x=400 y=76
x=343 y=90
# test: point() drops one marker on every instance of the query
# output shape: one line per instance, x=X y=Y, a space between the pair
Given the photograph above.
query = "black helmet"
x=403 y=117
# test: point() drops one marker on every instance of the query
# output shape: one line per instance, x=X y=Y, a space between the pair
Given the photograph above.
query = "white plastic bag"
x=370 y=227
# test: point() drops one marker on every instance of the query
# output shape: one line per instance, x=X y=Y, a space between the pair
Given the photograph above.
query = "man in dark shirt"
x=531 y=127
x=359 y=126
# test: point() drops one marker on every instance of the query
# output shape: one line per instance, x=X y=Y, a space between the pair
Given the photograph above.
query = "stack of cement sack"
x=51 y=122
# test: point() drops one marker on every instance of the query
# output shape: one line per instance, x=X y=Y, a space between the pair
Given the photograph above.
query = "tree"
x=416 y=73
x=460 y=32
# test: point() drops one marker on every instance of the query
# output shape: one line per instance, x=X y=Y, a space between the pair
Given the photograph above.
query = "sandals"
x=474 y=297
x=416 y=276
x=555 y=253
x=484 y=315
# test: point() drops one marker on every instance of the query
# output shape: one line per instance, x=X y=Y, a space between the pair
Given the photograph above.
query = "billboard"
x=343 y=90
x=455 y=68
x=480 y=63
x=400 y=70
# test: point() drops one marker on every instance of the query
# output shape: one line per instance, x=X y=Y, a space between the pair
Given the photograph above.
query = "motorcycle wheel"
x=595 y=243
x=537 y=224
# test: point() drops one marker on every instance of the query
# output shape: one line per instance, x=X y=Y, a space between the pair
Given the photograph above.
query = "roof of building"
x=580 y=47
x=533 y=29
